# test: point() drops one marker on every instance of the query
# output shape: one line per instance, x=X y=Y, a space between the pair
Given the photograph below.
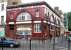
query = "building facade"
x=32 y=20
x=61 y=19
x=3 y=6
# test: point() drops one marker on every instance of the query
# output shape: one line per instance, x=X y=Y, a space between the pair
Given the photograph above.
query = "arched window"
x=24 y=16
x=52 y=18
x=58 y=22
x=37 y=11
x=55 y=20
x=47 y=17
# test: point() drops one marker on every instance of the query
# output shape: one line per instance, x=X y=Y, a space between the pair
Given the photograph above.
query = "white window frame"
x=37 y=28
x=24 y=15
x=2 y=7
x=51 y=18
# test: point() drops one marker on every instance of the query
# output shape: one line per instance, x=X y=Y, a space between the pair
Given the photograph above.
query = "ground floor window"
x=24 y=29
x=37 y=27
x=23 y=32
x=11 y=26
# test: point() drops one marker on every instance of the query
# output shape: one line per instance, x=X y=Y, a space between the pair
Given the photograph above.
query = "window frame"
x=2 y=20
x=11 y=27
x=37 y=28
x=25 y=15
x=2 y=7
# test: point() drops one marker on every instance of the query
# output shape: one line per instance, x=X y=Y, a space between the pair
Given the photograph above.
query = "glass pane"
x=37 y=28
x=24 y=16
x=2 y=19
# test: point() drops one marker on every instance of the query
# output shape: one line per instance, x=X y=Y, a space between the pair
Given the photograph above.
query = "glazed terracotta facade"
x=38 y=20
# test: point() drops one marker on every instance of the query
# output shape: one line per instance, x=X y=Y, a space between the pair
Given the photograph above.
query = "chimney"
x=14 y=2
x=60 y=12
x=56 y=9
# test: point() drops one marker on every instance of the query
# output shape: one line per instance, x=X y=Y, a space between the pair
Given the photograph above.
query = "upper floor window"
x=2 y=19
x=37 y=12
x=58 y=22
x=52 y=18
x=23 y=16
x=55 y=20
x=2 y=7
x=11 y=19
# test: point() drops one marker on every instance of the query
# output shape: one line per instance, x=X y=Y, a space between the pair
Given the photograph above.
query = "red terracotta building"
x=35 y=20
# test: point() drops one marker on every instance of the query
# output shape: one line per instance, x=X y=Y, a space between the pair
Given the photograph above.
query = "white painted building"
x=3 y=6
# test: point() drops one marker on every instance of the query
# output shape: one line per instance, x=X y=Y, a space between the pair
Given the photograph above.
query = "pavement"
x=60 y=44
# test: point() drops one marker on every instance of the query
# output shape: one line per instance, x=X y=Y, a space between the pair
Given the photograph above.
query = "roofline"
x=33 y=4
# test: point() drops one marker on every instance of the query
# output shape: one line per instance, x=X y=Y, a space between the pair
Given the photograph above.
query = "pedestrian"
x=50 y=37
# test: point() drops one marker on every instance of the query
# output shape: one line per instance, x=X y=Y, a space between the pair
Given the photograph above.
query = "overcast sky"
x=64 y=5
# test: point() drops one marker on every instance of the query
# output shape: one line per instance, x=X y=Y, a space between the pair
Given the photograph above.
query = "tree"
x=69 y=20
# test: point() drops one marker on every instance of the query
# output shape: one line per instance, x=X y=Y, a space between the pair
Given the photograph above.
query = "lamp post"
x=68 y=43
x=54 y=34
x=68 y=37
x=3 y=28
x=30 y=45
x=48 y=24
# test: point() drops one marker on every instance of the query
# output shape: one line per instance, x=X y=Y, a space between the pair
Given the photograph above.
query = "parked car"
x=8 y=43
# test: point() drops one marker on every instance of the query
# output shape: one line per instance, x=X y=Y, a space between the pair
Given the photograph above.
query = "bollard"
x=68 y=43
x=30 y=44
x=2 y=45
x=53 y=43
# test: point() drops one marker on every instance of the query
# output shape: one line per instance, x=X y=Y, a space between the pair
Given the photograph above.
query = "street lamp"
x=54 y=33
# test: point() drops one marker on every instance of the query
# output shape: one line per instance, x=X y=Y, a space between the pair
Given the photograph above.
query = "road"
x=60 y=44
